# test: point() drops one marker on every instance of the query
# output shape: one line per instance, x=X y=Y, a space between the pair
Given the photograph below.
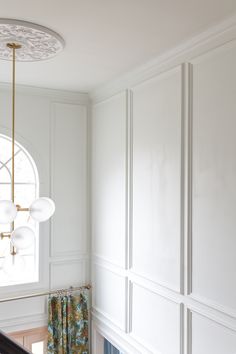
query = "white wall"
x=52 y=126
x=163 y=206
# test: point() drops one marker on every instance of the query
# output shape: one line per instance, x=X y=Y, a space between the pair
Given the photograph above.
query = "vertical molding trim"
x=129 y=179
x=188 y=331
x=187 y=192
x=181 y=329
x=51 y=169
x=182 y=179
x=130 y=306
x=190 y=177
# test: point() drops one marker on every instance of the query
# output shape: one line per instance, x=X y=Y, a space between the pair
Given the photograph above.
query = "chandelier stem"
x=13 y=250
x=13 y=46
x=13 y=122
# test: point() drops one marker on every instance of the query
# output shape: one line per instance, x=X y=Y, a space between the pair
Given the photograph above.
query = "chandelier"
x=24 y=41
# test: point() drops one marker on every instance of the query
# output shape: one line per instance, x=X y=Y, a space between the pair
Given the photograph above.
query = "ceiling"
x=107 y=38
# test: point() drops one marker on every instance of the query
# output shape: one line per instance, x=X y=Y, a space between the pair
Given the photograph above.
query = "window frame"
x=36 y=256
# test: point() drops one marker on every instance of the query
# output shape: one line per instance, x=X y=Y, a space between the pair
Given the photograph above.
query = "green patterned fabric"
x=68 y=324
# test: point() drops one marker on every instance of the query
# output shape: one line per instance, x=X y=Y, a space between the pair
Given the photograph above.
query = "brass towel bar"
x=51 y=292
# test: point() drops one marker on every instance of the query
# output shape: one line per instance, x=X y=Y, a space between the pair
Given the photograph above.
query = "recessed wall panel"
x=68 y=273
x=69 y=168
x=155 y=321
x=21 y=309
x=109 y=295
x=210 y=337
x=214 y=176
x=157 y=178
x=109 y=179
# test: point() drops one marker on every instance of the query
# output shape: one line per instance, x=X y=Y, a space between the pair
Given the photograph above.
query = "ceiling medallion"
x=37 y=42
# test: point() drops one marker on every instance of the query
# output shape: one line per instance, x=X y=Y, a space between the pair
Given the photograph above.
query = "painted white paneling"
x=109 y=296
x=210 y=337
x=69 y=168
x=178 y=205
x=35 y=115
x=214 y=176
x=155 y=321
x=157 y=178
x=21 y=308
x=109 y=179
x=73 y=273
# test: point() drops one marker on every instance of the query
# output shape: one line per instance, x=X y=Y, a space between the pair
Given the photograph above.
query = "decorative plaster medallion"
x=37 y=42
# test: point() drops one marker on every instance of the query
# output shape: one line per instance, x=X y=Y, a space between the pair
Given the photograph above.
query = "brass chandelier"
x=24 y=41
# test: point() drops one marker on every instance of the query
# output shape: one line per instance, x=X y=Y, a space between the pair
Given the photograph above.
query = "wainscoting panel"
x=155 y=321
x=17 y=309
x=74 y=273
x=211 y=337
x=214 y=176
x=69 y=169
x=109 y=179
x=157 y=179
x=178 y=204
x=109 y=295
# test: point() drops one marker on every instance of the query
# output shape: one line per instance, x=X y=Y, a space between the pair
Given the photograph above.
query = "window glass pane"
x=4 y=246
x=5 y=176
x=6 y=149
x=5 y=194
x=5 y=191
x=23 y=169
x=24 y=194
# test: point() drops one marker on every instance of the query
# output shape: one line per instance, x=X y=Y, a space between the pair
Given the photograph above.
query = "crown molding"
x=212 y=38
x=53 y=94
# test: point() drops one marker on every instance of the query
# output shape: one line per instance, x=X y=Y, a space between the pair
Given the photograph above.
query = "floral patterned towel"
x=68 y=324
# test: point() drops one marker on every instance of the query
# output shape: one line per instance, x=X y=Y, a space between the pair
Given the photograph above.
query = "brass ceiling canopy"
x=35 y=42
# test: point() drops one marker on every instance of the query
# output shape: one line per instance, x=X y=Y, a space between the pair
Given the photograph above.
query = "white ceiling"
x=106 y=38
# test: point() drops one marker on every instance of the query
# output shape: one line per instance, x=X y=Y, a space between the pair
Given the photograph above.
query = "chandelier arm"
x=19 y=208
x=5 y=235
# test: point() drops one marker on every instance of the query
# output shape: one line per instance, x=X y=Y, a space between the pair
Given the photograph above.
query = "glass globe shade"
x=14 y=266
x=42 y=209
x=22 y=237
x=8 y=211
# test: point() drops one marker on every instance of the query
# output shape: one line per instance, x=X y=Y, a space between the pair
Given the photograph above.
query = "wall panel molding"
x=75 y=270
x=157 y=114
x=129 y=176
x=218 y=41
x=163 y=310
x=24 y=323
x=215 y=326
x=187 y=104
x=76 y=115
x=110 y=180
x=213 y=305
x=213 y=175
x=115 y=288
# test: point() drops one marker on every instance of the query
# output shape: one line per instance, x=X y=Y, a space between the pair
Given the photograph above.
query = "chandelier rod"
x=13 y=46
x=13 y=123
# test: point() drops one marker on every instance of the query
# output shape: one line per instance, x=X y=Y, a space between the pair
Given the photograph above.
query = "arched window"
x=26 y=190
